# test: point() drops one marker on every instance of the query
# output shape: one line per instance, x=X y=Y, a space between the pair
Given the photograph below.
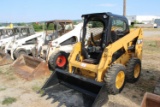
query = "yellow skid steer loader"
x=98 y=65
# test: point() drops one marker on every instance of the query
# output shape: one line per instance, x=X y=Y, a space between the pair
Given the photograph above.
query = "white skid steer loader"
x=7 y=36
x=29 y=67
x=61 y=27
x=63 y=35
x=60 y=48
x=23 y=44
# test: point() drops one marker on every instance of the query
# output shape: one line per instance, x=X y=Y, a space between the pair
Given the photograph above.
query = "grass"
x=134 y=96
x=2 y=89
x=11 y=77
x=1 y=71
x=36 y=88
x=152 y=78
x=150 y=47
x=6 y=71
x=9 y=100
x=41 y=92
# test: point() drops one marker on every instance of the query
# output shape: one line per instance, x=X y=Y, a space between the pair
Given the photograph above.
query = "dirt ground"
x=25 y=92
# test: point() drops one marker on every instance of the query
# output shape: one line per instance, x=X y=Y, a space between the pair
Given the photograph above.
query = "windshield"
x=24 y=32
x=94 y=29
x=7 y=33
x=57 y=29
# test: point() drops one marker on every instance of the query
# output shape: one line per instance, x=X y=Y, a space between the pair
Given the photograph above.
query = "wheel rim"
x=22 y=53
x=136 y=71
x=61 y=61
x=120 y=79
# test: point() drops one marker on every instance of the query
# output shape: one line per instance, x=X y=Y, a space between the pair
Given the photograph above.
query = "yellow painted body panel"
x=106 y=59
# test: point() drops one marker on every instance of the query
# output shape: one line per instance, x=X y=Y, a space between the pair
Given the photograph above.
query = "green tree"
x=21 y=24
x=51 y=26
x=37 y=27
x=96 y=24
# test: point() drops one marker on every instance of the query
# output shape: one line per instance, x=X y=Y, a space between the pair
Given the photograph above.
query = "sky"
x=42 y=10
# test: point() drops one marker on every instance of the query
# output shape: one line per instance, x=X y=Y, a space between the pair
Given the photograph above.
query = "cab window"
x=118 y=25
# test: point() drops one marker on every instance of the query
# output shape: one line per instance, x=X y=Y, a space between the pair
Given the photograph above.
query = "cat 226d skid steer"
x=99 y=64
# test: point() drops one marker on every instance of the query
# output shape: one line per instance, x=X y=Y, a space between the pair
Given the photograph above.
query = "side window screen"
x=31 y=30
x=118 y=25
x=69 y=41
x=118 y=29
x=9 y=32
x=24 y=32
x=68 y=26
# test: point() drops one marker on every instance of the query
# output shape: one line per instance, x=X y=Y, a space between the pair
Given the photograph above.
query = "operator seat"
x=95 y=52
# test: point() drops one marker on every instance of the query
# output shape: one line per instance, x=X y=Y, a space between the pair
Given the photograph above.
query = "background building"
x=139 y=19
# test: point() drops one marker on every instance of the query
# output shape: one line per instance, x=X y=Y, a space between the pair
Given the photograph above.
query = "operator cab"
x=5 y=33
x=100 y=30
x=24 y=31
x=2 y=33
x=57 y=28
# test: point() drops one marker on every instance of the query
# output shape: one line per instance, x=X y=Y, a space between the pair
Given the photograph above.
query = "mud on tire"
x=133 y=70
x=53 y=60
x=115 y=78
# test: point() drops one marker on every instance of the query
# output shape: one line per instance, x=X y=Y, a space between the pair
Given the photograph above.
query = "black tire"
x=19 y=52
x=130 y=72
x=53 y=58
x=110 y=78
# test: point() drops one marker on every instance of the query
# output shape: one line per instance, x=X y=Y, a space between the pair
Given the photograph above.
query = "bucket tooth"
x=60 y=104
x=54 y=100
x=49 y=97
